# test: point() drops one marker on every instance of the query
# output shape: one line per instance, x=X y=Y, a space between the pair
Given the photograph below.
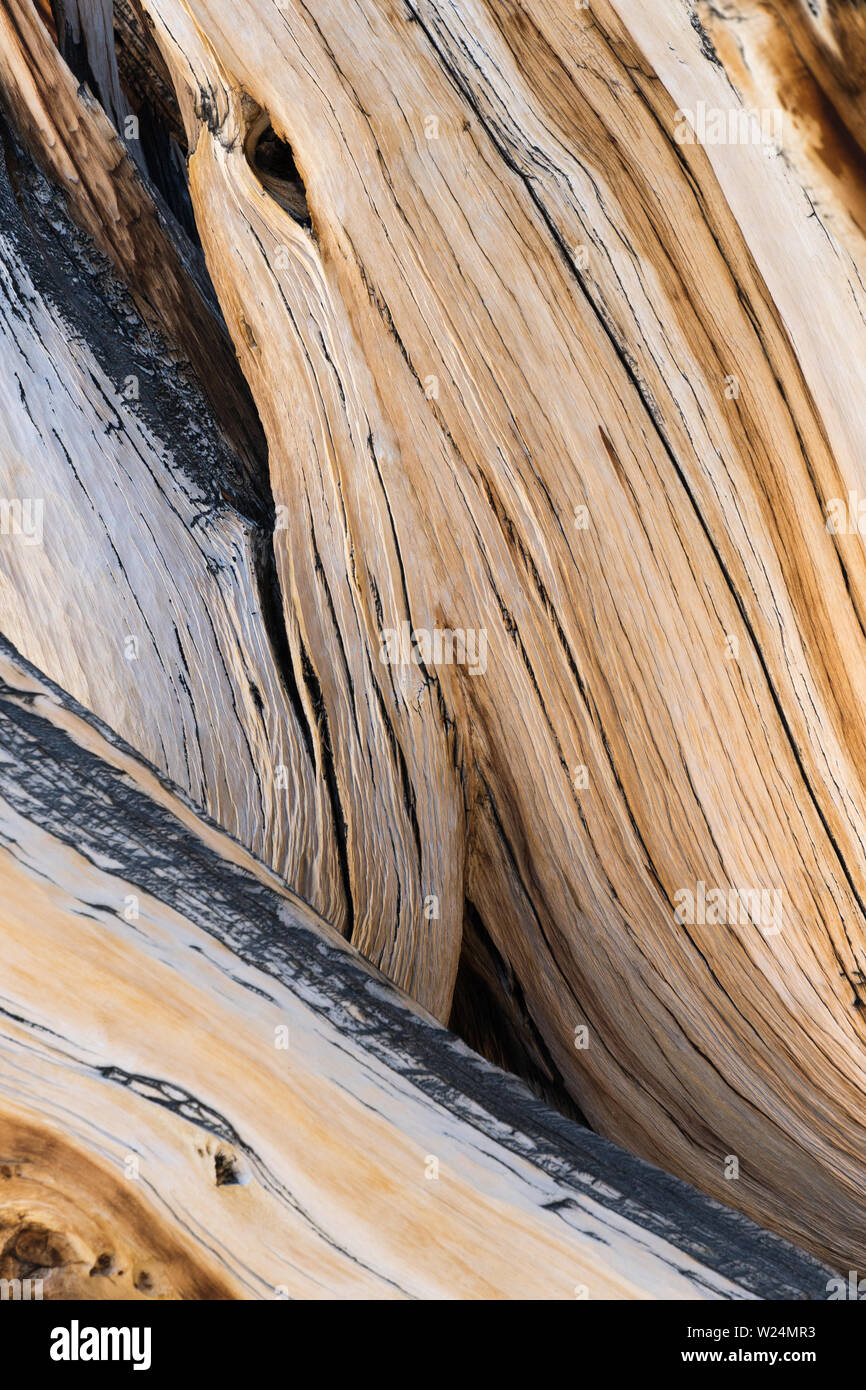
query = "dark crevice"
x=228 y=1170
x=490 y=1014
x=143 y=71
x=272 y=611
x=274 y=157
x=273 y=163
x=157 y=141
x=166 y=166
x=74 y=49
x=329 y=771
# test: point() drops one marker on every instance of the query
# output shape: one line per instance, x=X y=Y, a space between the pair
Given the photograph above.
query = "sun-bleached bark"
x=258 y=1115
x=554 y=431
x=79 y=147
x=128 y=575
x=521 y=297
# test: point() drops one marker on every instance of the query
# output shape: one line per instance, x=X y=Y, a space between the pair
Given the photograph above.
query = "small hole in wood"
x=274 y=164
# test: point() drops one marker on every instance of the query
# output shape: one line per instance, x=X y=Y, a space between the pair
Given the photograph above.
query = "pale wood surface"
x=144 y=598
x=157 y=1139
x=558 y=387
x=515 y=296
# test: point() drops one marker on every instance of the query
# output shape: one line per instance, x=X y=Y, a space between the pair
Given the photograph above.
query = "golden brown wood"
x=203 y=1094
x=572 y=398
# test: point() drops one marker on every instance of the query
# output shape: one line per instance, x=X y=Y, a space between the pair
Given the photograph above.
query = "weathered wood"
x=550 y=307
x=802 y=68
x=67 y=129
x=204 y=1093
x=532 y=370
x=140 y=586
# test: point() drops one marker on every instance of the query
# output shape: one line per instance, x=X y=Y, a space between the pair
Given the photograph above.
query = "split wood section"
x=540 y=374
x=256 y=1113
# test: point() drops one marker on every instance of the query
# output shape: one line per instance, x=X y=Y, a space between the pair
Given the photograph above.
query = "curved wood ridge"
x=160 y=586
x=257 y=1114
x=529 y=265
x=531 y=656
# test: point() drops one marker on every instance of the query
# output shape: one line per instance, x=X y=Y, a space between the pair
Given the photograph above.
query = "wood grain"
x=146 y=590
x=562 y=387
x=80 y=149
x=567 y=400
x=157 y=1140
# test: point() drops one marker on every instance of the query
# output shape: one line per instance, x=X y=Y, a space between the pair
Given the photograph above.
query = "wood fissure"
x=507 y=599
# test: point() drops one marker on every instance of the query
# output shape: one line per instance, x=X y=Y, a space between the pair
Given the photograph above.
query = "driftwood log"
x=431 y=438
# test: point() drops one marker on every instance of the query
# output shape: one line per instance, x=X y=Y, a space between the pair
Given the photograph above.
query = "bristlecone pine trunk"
x=433 y=588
